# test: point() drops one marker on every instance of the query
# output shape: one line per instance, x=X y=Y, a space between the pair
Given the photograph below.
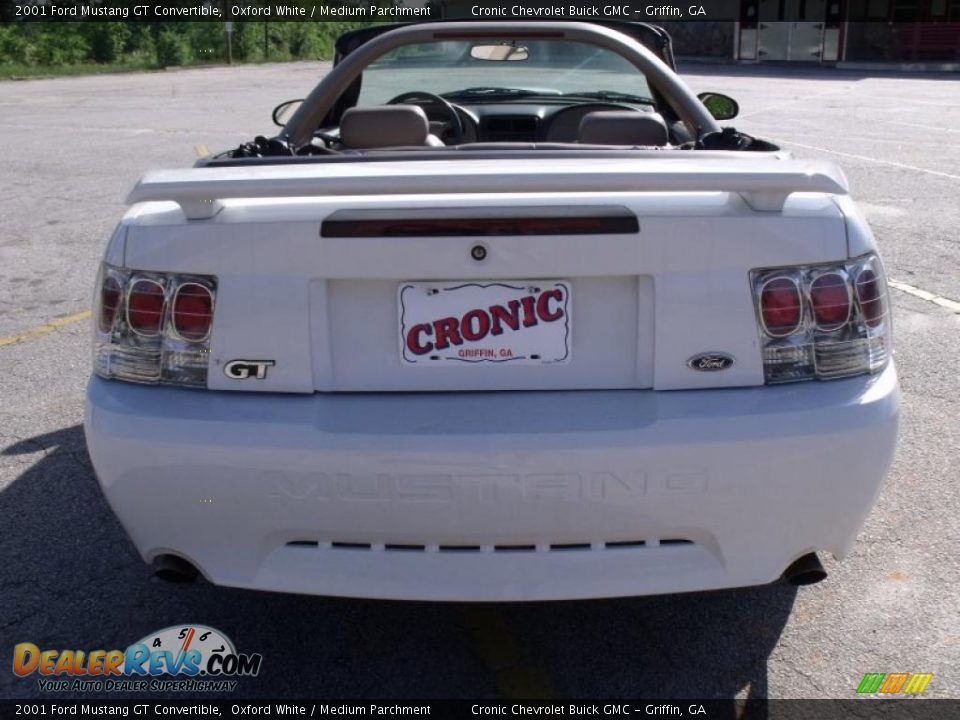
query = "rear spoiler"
x=764 y=183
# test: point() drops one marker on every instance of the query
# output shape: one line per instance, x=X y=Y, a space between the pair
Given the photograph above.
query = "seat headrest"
x=384 y=126
x=622 y=127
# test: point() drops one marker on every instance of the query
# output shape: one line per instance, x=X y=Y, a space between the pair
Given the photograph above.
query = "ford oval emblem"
x=710 y=362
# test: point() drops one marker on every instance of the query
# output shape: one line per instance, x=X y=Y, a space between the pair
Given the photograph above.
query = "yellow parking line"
x=48 y=327
x=41 y=330
x=498 y=649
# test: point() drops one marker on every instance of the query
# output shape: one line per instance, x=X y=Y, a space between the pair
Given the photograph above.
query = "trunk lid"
x=650 y=260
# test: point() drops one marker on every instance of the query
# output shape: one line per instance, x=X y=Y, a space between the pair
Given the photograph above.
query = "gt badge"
x=710 y=362
x=243 y=369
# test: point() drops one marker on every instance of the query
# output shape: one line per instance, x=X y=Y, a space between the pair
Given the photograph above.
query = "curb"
x=805 y=67
x=944 y=67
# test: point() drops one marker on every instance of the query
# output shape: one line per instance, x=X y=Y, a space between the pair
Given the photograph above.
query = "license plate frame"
x=465 y=323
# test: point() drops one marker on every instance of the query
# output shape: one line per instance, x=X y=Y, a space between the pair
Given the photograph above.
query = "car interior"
x=398 y=126
x=529 y=108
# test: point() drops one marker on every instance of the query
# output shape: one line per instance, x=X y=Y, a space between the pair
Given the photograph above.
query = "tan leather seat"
x=386 y=126
x=623 y=127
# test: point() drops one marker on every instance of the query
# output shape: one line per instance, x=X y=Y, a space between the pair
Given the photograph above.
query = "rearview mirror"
x=283 y=111
x=499 y=52
x=722 y=107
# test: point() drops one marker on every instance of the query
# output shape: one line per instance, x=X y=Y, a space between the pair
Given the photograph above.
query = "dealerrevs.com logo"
x=181 y=658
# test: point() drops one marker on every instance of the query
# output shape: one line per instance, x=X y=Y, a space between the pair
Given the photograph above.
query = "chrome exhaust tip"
x=805 y=570
x=173 y=569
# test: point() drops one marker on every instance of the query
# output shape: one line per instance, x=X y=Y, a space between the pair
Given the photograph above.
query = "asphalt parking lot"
x=70 y=579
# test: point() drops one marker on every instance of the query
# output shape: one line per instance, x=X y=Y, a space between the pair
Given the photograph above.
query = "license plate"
x=468 y=322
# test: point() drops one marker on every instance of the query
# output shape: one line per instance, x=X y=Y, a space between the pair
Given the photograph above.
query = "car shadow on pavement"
x=72 y=579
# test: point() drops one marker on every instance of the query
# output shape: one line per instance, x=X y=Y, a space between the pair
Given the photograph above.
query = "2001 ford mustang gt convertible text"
x=501 y=313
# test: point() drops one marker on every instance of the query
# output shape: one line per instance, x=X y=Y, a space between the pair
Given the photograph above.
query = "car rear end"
x=652 y=384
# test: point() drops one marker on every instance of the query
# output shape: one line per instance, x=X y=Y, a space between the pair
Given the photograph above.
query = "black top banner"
x=913 y=709
x=366 y=10
x=393 y=11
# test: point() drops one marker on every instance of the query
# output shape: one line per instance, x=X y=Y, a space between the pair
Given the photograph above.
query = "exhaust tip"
x=173 y=569
x=805 y=570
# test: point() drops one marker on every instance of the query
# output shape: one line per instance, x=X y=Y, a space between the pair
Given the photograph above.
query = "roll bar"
x=300 y=128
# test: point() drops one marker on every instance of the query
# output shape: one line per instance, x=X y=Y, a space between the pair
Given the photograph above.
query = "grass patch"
x=18 y=71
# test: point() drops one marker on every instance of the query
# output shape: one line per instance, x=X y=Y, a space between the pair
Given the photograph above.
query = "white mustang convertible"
x=501 y=313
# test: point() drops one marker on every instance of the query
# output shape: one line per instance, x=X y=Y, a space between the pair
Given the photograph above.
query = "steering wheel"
x=456 y=122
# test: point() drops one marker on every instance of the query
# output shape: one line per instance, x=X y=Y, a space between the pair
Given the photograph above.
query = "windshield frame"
x=331 y=95
x=654 y=38
x=557 y=69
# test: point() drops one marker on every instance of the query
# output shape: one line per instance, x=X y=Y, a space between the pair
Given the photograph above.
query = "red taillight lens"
x=145 y=303
x=110 y=293
x=193 y=312
x=154 y=327
x=846 y=331
x=869 y=297
x=780 y=306
x=830 y=296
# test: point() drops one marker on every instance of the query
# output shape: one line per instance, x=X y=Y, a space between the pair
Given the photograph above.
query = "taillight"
x=146 y=300
x=142 y=337
x=192 y=312
x=869 y=297
x=780 y=306
x=830 y=300
x=810 y=326
x=111 y=292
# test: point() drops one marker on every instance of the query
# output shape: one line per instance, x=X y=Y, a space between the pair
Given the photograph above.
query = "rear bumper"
x=494 y=496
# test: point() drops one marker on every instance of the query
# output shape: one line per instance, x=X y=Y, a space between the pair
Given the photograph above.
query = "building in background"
x=809 y=31
x=828 y=31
